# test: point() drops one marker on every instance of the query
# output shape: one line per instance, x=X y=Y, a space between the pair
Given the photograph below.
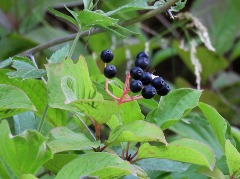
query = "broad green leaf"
x=155 y=164
x=59 y=55
x=88 y=4
x=5 y=63
x=99 y=110
x=27 y=176
x=184 y=150
x=236 y=135
x=25 y=69
x=137 y=131
x=233 y=159
x=64 y=16
x=134 y=5
x=59 y=161
x=24 y=121
x=24 y=153
x=13 y=101
x=78 y=72
x=37 y=93
x=174 y=106
x=3 y=171
x=102 y=165
x=179 y=5
x=216 y=121
x=63 y=139
x=215 y=174
x=211 y=66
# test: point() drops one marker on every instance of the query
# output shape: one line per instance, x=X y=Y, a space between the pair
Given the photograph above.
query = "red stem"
x=127 y=150
x=97 y=131
x=133 y=155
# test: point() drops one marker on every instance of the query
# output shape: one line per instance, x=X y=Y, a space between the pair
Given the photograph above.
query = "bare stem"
x=128 y=145
x=74 y=43
x=143 y=17
x=97 y=131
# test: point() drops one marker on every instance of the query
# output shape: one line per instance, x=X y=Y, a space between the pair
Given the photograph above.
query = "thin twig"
x=128 y=145
x=143 y=17
x=85 y=125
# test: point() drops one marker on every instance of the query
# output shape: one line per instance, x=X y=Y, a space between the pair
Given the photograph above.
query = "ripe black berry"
x=136 y=73
x=110 y=71
x=107 y=56
x=142 y=62
x=164 y=91
x=146 y=78
x=136 y=86
x=148 y=92
x=142 y=54
x=158 y=83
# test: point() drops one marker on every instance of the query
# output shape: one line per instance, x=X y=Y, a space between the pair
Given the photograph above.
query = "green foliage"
x=60 y=115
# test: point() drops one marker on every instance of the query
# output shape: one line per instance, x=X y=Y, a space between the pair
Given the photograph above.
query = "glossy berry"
x=136 y=73
x=110 y=71
x=136 y=86
x=107 y=56
x=158 y=83
x=146 y=78
x=148 y=92
x=164 y=91
x=142 y=62
x=142 y=54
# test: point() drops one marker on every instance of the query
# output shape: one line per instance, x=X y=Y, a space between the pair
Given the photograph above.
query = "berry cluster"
x=144 y=82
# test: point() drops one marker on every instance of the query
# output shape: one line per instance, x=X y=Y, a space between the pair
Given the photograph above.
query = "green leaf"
x=25 y=69
x=5 y=63
x=88 y=4
x=215 y=174
x=236 y=135
x=27 y=176
x=24 y=121
x=233 y=159
x=37 y=93
x=64 y=16
x=63 y=139
x=24 y=153
x=102 y=165
x=136 y=131
x=99 y=110
x=211 y=66
x=78 y=72
x=59 y=161
x=216 y=121
x=179 y=5
x=174 y=106
x=184 y=150
x=13 y=101
x=59 y=55
x=3 y=171
x=134 y=5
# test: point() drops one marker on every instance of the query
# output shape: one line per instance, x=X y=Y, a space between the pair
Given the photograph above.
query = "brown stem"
x=103 y=148
x=133 y=156
x=97 y=131
x=128 y=145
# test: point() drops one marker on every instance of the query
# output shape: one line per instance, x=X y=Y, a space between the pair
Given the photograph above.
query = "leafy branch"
x=129 y=22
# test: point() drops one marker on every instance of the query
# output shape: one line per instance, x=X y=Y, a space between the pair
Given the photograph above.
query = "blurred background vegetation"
x=173 y=45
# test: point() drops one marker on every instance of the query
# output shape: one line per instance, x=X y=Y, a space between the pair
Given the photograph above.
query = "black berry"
x=142 y=54
x=107 y=56
x=110 y=71
x=146 y=78
x=136 y=86
x=164 y=91
x=148 y=92
x=158 y=83
x=136 y=73
x=142 y=62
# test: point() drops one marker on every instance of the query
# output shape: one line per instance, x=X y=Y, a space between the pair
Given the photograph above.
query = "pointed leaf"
x=174 y=106
x=233 y=159
x=37 y=93
x=102 y=165
x=13 y=101
x=63 y=139
x=25 y=69
x=100 y=111
x=216 y=121
x=78 y=72
x=24 y=153
x=64 y=16
x=215 y=174
x=5 y=63
x=88 y=4
x=184 y=150
x=59 y=55
x=137 y=131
